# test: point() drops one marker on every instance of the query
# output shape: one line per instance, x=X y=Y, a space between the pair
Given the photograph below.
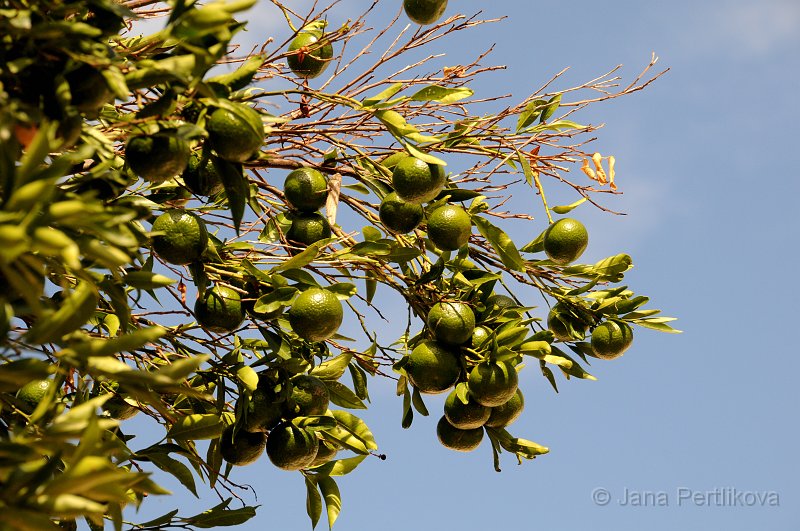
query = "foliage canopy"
x=141 y=173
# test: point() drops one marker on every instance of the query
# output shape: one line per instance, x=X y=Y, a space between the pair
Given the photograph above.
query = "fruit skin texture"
x=503 y=415
x=291 y=448
x=449 y=227
x=465 y=416
x=456 y=439
x=501 y=301
x=565 y=240
x=201 y=177
x=89 y=89
x=241 y=449
x=611 y=339
x=308 y=228
x=315 y=57
x=327 y=451
x=306 y=189
x=310 y=395
x=433 y=368
x=157 y=158
x=32 y=393
x=184 y=237
x=480 y=337
x=220 y=310
x=424 y=11
x=417 y=181
x=400 y=216
x=564 y=325
x=451 y=322
x=235 y=134
x=492 y=383
x=262 y=411
x=316 y=314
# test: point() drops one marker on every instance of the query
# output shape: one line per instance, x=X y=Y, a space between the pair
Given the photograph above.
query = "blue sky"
x=707 y=158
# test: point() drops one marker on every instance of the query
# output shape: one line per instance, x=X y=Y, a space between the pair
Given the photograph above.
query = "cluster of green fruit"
x=269 y=419
x=460 y=355
x=306 y=191
x=415 y=182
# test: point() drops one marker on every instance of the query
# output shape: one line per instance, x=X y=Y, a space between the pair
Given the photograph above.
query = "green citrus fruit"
x=307 y=228
x=219 y=310
x=263 y=411
x=480 y=337
x=202 y=177
x=565 y=240
x=400 y=216
x=565 y=325
x=451 y=322
x=424 y=12
x=310 y=395
x=492 y=383
x=292 y=448
x=157 y=158
x=120 y=408
x=327 y=451
x=236 y=134
x=465 y=416
x=504 y=414
x=433 y=367
x=32 y=393
x=500 y=302
x=88 y=89
x=316 y=314
x=449 y=227
x=457 y=439
x=417 y=181
x=306 y=189
x=183 y=237
x=243 y=448
x=310 y=55
x=611 y=339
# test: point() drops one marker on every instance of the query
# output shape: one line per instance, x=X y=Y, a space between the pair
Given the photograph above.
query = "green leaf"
x=147 y=280
x=313 y=502
x=237 y=188
x=501 y=243
x=657 y=324
x=424 y=157
x=550 y=109
x=175 y=468
x=248 y=377
x=75 y=310
x=342 y=396
x=383 y=95
x=535 y=246
x=303 y=258
x=521 y=447
x=196 y=427
x=442 y=94
x=558 y=125
x=532 y=111
x=332 y=369
x=222 y=517
x=419 y=405
x=342 y=290
x=333 y=498
x=339 y=467
x=242 y=76
x=352 y=433
x=568 y=208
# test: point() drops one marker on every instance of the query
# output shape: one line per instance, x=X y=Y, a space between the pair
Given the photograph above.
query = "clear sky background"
x=708 y=159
